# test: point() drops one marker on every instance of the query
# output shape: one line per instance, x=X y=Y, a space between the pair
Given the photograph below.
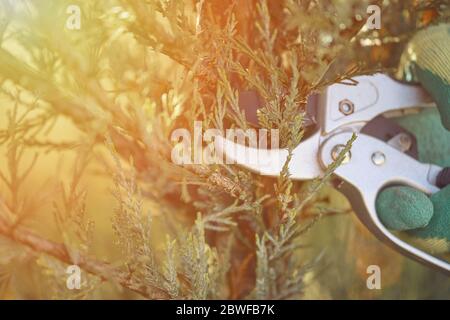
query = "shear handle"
x=373 y=166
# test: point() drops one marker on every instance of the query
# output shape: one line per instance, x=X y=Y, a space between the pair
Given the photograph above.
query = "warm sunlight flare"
x=116 y=181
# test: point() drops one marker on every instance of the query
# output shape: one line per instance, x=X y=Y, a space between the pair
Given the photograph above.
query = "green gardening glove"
x=426 y=219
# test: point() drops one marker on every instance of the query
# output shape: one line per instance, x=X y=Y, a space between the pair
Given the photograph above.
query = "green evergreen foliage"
x=133 y=73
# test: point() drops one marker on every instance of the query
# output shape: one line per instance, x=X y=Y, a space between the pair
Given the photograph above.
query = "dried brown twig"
x=101 y=269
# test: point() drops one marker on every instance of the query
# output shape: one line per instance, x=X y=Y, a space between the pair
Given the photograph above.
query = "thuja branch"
x=59 y=251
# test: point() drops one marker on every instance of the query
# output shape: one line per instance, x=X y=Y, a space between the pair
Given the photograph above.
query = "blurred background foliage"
x=86 y=178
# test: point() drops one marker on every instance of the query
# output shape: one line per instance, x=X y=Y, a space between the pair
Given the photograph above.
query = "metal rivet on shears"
x=378 y=158
x=401 y=141
x=346 y=107
x=337 y=151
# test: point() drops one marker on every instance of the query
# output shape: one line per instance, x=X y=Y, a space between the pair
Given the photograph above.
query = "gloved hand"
x=406 y=209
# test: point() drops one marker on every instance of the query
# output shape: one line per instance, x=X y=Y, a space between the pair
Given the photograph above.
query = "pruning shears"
x=383 y=154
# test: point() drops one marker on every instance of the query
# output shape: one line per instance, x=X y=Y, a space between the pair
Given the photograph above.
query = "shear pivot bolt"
x=378 y=158
x=337 y=151
x=346 y=107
